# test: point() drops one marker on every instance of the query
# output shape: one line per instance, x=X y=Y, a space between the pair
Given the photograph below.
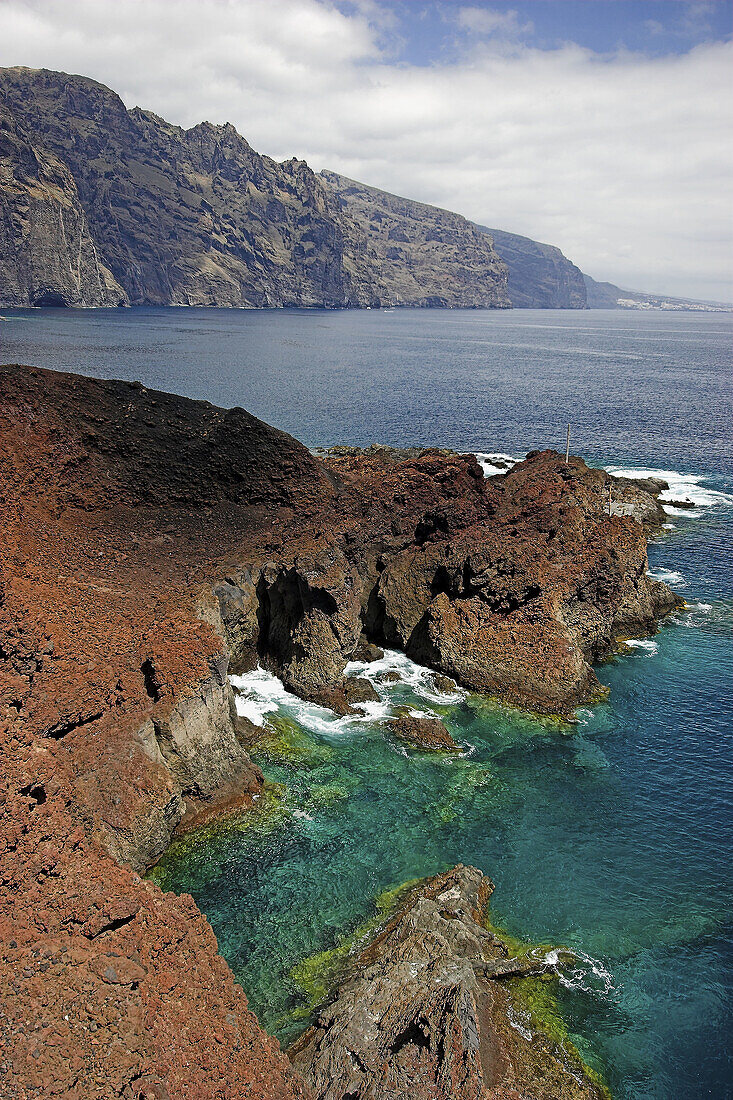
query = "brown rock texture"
x=149 y=542
x=422 y=732
x=424 y=1011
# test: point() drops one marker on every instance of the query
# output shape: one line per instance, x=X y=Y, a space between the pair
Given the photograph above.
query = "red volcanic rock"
x=149 y=542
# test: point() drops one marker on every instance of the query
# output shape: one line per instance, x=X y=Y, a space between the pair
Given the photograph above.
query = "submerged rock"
x=423 y=732
x=425 y=1010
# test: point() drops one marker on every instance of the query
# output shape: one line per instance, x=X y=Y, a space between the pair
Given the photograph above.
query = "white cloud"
x=488 y=21
x=625 y=162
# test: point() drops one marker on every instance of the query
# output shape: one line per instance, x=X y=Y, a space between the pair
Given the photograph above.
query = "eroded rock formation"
x=197 y=217
x=425 y=1009
x=149 y=543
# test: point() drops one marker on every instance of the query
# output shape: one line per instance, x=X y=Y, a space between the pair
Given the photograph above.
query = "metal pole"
x=567 y=446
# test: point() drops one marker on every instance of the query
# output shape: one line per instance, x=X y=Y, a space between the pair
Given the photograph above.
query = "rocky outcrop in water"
x=148 y=544
x=425 y=1010
x=197 y=217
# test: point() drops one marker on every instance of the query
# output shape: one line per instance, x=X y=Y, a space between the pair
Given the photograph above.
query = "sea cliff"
x=160 y=215
x=150 y=545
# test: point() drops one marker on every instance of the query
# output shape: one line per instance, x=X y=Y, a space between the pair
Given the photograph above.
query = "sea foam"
x=682 y=487
x=495 y=462
x=259 y=693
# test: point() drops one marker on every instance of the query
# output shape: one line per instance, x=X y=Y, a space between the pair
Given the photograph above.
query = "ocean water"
x=612 y=836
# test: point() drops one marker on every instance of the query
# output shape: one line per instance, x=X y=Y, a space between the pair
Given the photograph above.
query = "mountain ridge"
x=197 y=217
x=101 y=205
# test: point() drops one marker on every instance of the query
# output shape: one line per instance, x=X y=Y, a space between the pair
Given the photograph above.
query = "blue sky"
x=604 y=127
x=425 y=33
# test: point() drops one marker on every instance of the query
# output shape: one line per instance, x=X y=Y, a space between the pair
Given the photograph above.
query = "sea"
x=611 y=836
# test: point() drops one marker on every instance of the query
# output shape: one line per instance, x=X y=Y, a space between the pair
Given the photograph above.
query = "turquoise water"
x=612 y=836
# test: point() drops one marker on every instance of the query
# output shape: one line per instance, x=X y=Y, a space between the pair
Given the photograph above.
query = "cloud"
x=489 y=21
x=625 y=162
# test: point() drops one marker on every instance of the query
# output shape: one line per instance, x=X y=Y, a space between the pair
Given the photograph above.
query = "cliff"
x=47 y=253
x=150 y=543
x=197 y=217
x=540 y=276
x=422 y=255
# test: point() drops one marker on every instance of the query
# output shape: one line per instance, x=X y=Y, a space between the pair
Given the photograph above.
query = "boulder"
x=422 y=732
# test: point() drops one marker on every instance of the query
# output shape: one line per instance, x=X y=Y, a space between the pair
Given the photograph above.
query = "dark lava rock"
x=367 y=651
x=359 y=690
x=445 y=685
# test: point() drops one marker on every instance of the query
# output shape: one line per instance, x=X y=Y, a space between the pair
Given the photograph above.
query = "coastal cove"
x=603 y=836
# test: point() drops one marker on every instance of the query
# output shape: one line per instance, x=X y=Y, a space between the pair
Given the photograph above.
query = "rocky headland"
x=433 y=1005
x=150 y=545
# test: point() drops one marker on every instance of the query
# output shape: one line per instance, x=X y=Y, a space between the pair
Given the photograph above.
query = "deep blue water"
x=613 y=837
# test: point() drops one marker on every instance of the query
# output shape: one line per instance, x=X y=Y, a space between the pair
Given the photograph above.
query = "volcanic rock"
x=360 y=690
x=149 y=544
x=424 y=1009
x=367 y=651
x=422 y=732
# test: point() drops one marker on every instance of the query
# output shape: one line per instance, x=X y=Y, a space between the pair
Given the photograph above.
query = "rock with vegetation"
x=425 y=1007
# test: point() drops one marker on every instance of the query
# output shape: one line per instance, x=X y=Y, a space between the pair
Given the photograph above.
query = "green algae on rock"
x=426 y=1006
x=282 y=741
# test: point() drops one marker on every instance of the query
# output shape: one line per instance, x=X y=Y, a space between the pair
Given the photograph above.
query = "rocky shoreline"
x=153 y=544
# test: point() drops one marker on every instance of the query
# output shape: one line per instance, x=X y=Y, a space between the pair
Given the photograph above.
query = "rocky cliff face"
x=197 y=217
x=47 y=253
x=149 y=542
x=540 y=276
x=421 y=255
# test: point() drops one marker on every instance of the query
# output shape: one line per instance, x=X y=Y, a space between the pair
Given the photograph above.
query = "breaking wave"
x=495 y=462
x=647 y=644
x=688 y=488
x=259 y=693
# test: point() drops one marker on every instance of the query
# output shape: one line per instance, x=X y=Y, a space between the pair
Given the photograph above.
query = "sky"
x=602 y=126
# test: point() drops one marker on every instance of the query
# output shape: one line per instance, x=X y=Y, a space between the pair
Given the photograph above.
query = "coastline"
x=190 y=742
